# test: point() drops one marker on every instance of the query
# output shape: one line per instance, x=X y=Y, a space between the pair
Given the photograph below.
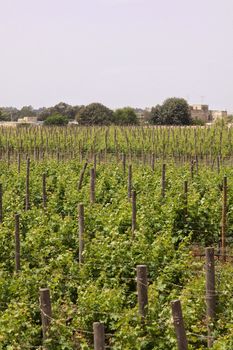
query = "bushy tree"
x=9 y=113
x=61 y=108
x=56 y=119
x=156 y=115
x=125 y=116
x=27 y=111
x=173 y=111
x=95 y=114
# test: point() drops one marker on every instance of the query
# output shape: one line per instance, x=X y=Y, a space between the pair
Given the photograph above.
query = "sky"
x=116 y=52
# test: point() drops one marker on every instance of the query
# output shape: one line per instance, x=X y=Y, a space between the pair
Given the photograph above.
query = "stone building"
x=200 y=112
x=203 y=113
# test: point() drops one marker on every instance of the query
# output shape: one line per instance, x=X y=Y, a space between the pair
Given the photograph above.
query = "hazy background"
x=118 y=52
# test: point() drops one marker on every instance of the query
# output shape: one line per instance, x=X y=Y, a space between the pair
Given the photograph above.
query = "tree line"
x=173 y=111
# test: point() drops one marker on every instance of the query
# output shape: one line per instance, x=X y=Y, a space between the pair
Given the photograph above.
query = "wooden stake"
x=179 y=325
x=46 y=311
x=163 y=180
x=1 y=210
x=123 y=162
x=142 y=289
x=134 y=212
x=81 y=176
x=192 y=169
x=210 y=292
x=99 y=336
x=27 y=202
x=224 y=218
x=153 y=162
x=44 y=190
x=17 y=244
x=81 y=231
x=130 y=181
x=92 y=185
x=19 y=163
x=186 y=198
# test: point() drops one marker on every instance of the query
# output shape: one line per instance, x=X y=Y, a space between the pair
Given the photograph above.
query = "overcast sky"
x=117 y=52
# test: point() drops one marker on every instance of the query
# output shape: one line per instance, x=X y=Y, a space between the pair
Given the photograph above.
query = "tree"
x=61 y=108
x=27 y=111
x=56 y=119
x=9 y=113
x=156 y=115
x=174 y=111
x=95 y=114
x=125 y=116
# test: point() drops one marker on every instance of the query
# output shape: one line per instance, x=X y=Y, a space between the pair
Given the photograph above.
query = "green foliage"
x=198 y=122
x=104 y=287
x=125 y=116
x=173 y=111
x=95 y=114
x=56 y=119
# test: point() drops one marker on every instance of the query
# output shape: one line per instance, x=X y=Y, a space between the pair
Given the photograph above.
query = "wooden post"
x=123 y=162
x=179 y=325
x=27 y=201
x=99 y=336
x=142 y=289
x=92 y=185
x=130 y=181
x=134 y=212
x=81 y=231
x=153 y=162
x=1 y=210
x=186 y=198
x=196 y=162
x=224 y=218
x=192 y=169
x=46 y=311
x=95 y=162
x=81 y=176
x=218 y=163
x=163 y=180
x=19 y=163
x=44 y=190
x=210 y=292
x=17 y=244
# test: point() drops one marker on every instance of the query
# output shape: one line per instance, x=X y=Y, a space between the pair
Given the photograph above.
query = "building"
x=218 y=114
x=28 y=120
x=142 y=114
x=202 y=112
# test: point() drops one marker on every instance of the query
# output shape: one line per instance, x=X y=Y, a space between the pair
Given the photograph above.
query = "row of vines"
x=135 y=211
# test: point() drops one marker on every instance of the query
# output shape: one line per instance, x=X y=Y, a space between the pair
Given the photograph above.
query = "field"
x=81 y=209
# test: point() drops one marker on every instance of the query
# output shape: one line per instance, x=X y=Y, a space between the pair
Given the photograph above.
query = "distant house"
x=202 y=112
x=28 y=120
x=142 y=114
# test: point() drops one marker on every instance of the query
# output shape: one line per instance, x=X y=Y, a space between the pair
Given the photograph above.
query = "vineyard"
x=108 y=233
